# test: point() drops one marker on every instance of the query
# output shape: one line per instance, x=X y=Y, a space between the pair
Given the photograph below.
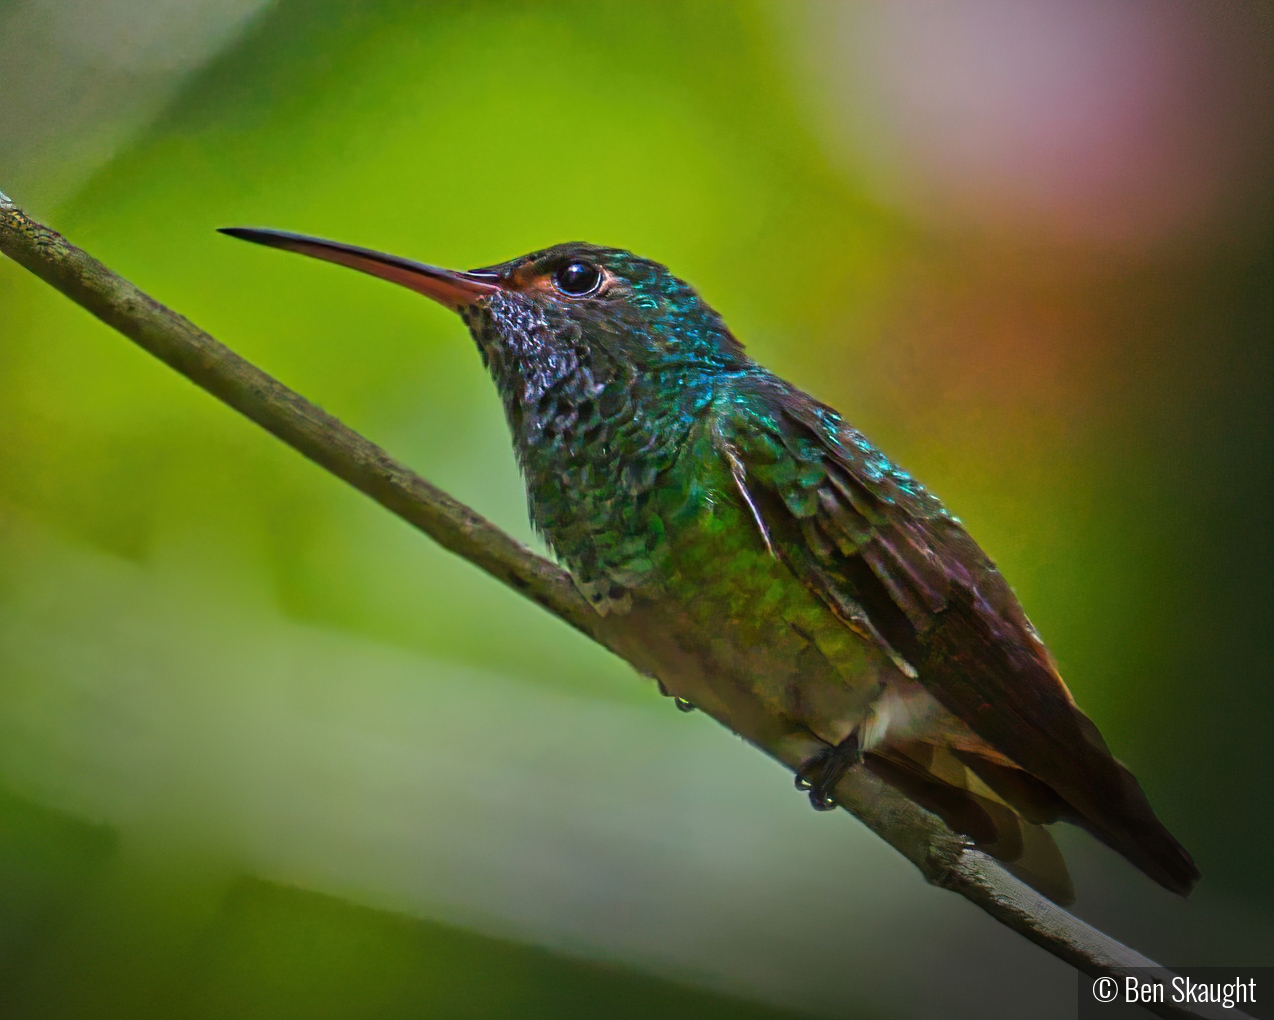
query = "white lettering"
x=1227 y=995
x=1142 y=991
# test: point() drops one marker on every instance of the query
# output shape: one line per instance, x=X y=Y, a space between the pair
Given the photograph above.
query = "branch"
x=943 y=857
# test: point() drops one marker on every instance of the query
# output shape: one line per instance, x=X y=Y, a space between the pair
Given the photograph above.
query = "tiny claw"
x=828 y=767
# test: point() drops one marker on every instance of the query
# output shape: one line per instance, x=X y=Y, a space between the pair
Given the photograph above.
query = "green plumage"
x=783 y=574
x=666 y=468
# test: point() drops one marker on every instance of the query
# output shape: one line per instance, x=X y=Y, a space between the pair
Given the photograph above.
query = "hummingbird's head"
x=604 y=308
x=570 y=309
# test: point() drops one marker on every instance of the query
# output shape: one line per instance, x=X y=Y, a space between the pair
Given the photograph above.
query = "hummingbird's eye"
x=578 y=279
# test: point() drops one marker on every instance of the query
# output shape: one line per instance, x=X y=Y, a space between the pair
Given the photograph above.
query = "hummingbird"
x=788 y=577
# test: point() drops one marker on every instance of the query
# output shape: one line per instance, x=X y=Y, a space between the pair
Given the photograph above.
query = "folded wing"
x=890 y=560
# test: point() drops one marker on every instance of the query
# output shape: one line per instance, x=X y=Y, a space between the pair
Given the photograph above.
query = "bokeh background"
x=265 y=751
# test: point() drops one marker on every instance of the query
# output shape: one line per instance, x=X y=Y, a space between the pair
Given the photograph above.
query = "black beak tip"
x=253 y=234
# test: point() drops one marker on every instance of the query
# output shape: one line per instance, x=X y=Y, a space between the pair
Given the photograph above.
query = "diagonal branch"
x=944 y=858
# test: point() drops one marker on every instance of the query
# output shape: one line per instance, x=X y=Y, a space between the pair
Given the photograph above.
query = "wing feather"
x=895 y=566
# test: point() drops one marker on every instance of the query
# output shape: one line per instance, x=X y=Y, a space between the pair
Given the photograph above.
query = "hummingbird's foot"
x=821 y=773
x=683 y=704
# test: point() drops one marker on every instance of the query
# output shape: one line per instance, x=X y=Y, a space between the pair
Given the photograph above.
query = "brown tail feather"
x=998 y=829
x=1127 y=824
x=1034 y=800
x=1132 y=830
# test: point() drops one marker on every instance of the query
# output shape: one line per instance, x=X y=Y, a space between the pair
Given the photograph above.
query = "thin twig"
x=943 y=857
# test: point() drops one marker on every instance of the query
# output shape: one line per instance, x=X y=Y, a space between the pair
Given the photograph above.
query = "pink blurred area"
x=1122 y=125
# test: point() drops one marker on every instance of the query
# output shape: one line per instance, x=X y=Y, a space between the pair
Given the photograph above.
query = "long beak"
x=447 y=287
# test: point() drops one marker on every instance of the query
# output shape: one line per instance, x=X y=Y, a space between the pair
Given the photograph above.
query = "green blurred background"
x=265 y=751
